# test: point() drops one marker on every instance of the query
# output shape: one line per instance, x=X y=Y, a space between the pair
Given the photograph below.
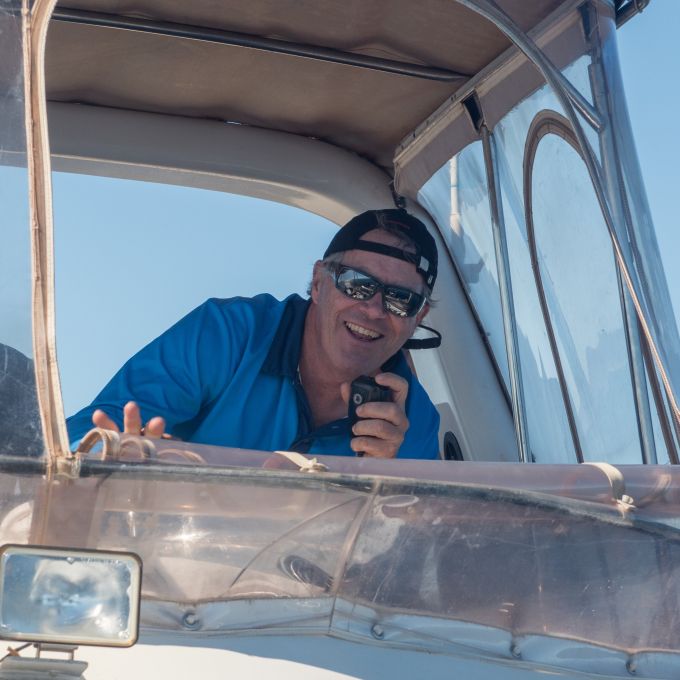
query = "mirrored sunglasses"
x=358 y=285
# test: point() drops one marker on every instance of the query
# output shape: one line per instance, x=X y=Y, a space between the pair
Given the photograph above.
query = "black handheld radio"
x=364 y=389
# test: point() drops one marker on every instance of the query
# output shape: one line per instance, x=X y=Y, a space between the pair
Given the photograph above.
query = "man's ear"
x=317 y=275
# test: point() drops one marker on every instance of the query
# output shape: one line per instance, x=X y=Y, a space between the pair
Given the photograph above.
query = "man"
x=266 y=374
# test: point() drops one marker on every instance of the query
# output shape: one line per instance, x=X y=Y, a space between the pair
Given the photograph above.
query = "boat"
x=545 y=540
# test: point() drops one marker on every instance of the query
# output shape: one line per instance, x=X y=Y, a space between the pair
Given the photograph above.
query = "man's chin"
x=355 y=367
x=358 y=357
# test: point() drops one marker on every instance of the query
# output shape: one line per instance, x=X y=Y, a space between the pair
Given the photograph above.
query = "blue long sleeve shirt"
x=226 y=374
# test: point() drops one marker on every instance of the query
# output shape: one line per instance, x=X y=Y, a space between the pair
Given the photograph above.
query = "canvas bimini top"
x=360 y=74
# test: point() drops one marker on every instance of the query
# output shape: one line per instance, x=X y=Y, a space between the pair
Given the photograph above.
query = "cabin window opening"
x=133 y=257
x=576 y=277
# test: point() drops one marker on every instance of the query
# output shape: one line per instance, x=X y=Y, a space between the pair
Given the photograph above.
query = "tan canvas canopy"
x=366 y=108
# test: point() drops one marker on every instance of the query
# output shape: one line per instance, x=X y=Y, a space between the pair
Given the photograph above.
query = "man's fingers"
x=374 y=448
x=384 y=410
x=155 y=427
x=132 y=422
x=397 y=384
x=132 y=419
x=381 y=429
x=100 y=419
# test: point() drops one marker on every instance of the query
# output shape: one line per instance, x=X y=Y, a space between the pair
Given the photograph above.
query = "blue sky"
x=150 y=278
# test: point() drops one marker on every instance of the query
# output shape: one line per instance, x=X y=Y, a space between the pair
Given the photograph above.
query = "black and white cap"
x=425 y=257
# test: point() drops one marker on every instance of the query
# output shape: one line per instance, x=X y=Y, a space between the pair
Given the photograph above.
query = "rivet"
x=515 y=651
x=191 y=621
x=631 y=666
x=377 y=631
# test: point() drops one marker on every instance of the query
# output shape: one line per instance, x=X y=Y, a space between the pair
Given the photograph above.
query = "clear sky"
x=181 y=247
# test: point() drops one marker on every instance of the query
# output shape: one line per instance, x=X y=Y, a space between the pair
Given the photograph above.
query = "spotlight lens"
x=69 y=596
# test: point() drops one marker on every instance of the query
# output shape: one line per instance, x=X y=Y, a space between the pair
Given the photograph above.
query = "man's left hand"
x=383 y=424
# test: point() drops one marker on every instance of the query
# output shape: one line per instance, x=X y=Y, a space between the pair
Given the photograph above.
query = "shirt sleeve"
x=175 y=374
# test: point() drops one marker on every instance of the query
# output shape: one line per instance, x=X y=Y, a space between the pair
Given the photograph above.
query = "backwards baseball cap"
x=425 y=257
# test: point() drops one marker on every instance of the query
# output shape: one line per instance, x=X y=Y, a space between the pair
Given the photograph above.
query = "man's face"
x=356 y=337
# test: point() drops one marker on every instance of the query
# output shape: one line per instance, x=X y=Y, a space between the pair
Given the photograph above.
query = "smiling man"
x=265 y=374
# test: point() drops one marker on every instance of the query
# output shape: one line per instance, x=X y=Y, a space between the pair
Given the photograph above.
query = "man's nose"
x=373 y=307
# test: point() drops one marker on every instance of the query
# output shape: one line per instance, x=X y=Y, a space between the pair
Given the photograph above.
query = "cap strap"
x=424 y=343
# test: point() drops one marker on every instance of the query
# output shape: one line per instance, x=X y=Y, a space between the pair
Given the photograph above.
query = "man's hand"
x=132 y=422
x=381 y=431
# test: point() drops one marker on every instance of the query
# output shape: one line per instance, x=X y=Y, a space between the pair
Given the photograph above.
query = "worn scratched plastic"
x=337 y=552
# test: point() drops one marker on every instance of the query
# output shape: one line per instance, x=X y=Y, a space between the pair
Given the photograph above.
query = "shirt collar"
x=284 y=353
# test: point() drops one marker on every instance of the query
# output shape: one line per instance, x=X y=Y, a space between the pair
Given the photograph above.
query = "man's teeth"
x=363 y=332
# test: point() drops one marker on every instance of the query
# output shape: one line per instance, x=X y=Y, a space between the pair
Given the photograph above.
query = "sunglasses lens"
x=359 y=286
x=356 y=285
x=402 y=302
